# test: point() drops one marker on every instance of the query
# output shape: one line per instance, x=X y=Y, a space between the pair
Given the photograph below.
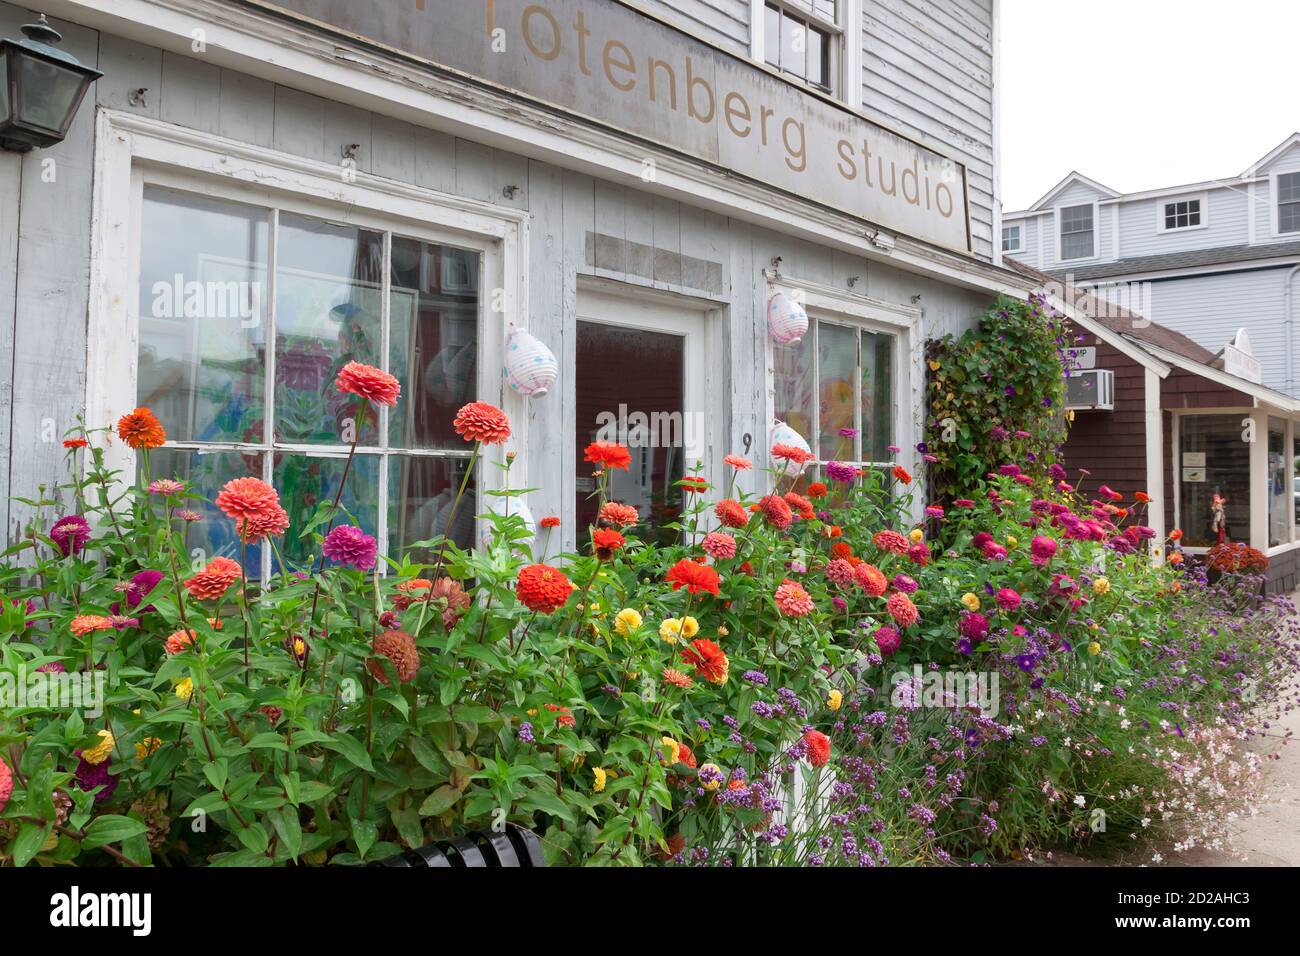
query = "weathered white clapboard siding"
x=44 y=289
x=927 y=70
x=723 y=22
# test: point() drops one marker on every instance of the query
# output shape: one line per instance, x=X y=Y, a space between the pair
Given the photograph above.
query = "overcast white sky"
x=1139 y=94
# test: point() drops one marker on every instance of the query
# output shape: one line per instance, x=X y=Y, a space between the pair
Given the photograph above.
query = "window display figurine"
x=1219 y=518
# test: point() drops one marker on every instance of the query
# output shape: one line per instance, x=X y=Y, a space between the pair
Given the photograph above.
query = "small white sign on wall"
x=1193 y=474
x=1193 y=459
x=1082 y=357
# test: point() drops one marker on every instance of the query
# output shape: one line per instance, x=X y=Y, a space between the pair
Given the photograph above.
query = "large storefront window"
x=836 y=388
x=246 y=316
x=1214 y=459
x=1279 y=494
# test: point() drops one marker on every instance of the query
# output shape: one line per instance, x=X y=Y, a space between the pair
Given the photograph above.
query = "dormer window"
x=1077 y=231
x=1011 y=241
x=1288 y=202
x=1179 y=214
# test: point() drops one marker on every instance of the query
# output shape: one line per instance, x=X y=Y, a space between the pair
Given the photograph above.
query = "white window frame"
x=828 y=304
x=1096 y=230
x=1019 y=226
x=845 y=71
x=133 y=150
x=1275 y=202
x=1202 y=198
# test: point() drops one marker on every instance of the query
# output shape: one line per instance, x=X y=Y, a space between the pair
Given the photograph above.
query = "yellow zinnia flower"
x=101 y=751
x=915 y=535
x=971 y=600
x=184 y=688
x=627 y=621
x=1094 y=648
x=672 y=751
x=145 y=747
x=670 y=630
x=600 y=775
x=1100 y=586
x=1012 y=541
x=834 y=699
x=722 y=631
x=690 y=627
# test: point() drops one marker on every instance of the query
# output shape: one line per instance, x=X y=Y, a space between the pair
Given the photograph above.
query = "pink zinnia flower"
x=70 y=534
x=841 y=471
x=6 y=784
x=246 y=497
x=973 y=625
x=792 y=600
x=1008 y=599
x=738 y=462
x=352 y=546
x=840 y=572
x=888 y=640
x=166 y=487
x=1042 y=549
x=719 y=545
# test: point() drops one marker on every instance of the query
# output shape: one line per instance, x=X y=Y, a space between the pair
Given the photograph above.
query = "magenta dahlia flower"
x=351 y=546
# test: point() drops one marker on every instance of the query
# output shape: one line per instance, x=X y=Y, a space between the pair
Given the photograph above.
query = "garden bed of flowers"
x=824 y=674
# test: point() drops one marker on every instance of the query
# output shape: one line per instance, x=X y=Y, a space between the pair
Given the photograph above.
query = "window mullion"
x=385 y=306
x=268 y=387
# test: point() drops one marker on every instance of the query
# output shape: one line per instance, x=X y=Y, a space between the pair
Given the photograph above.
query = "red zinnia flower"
x=564 y=716
x=369 y=382
x=694 y=483
x=214 y=580
x=730 y=513
x=141 y=429
x=550 y=521
x=818 y=746
x=273 y=521
x=708 y=659
x=777 y=512
x=542 y=588
x=606 y=542
x=481 y=422
x=902 y=475
x=817 y=490
x=75 y=443
x=842 y=549
x=608 y=454
x=616 y=512
x=871 y=579
x=694 y=577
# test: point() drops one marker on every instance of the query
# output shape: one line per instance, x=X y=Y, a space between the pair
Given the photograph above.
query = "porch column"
x=1259 y=479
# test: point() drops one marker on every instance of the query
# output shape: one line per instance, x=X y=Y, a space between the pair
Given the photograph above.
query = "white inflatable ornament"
x=783 y=434
x=507 y=506
x=786 y=319
x=531 y=368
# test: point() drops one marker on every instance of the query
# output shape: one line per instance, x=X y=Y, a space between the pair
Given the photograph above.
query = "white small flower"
x=1080 y=801
x=1157 y=858
x=1146 y=822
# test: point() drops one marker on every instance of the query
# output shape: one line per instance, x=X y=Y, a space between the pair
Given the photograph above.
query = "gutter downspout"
x=1288 y=316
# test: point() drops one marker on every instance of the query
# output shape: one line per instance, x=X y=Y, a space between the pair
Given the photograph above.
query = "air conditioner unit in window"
x=1091 y=389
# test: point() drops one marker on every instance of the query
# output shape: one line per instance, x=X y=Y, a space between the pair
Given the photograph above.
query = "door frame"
x=619 y=304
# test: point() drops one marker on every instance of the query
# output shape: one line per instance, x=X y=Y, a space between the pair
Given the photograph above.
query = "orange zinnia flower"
x=366 y=381
x=214 y=580
x=141 y=429
x=481 y=422
x=246 y=498
x=75 y=443
x=730 y=513
x=83 y=624
x=791 y=453
x=550 y=521
x=694 y=577
x=273 y=521
x=606 y=542
x=616 y=512
x=543 y=589
x=178 y=641
x=1142 y=496
x=902 y=474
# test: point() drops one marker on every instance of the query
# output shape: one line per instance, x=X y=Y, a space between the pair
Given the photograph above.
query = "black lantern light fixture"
x=41 y=88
